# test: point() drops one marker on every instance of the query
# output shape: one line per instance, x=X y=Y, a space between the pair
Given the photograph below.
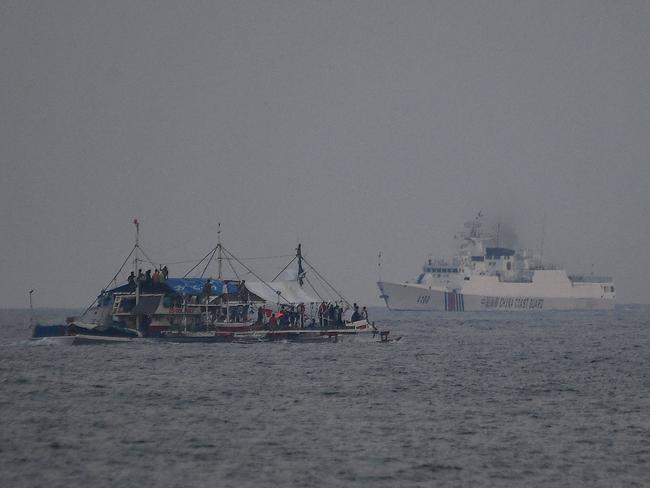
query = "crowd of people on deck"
x=328 y=315
x=148 y=279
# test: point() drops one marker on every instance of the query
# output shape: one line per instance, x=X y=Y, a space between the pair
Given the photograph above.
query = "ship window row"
x=442 y=270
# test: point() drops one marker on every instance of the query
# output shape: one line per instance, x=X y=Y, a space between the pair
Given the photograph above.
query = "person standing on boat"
x=131 y=281
x=260 y=315
x=207 y=289
x=292 y=316
x=364 y=313
x=156 y=277
x=147 y=278
x=273 y=322
x=243 y=291
x=165 y=273
x=301 y=314
x=322 y=310
x=331 y=316
x=356 y=315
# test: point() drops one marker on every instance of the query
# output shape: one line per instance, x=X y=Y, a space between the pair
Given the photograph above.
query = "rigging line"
x=209 y=261
x=283 y=269
x=200 y=261
x=328 y=283
x=254 y=274
x=145 y=255
x=180 y=262
x=267 y=257
x=312 y=287
x=330 y=295
x=169 y=263
x=114 y=277
x=228 y=260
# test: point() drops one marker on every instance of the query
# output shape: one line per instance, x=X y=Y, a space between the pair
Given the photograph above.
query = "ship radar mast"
x=219 y=255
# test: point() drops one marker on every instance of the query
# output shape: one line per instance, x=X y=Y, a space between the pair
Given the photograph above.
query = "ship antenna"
x=541 y=244
x=136 y=247
x=32 y=320
x=219 y=255
x=379 y=265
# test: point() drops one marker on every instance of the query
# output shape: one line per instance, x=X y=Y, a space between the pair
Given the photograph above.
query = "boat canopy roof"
x=194 y=286
x=283 y=292
x=185 y=286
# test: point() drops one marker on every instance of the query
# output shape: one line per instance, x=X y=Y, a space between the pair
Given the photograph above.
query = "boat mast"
x=301 y=271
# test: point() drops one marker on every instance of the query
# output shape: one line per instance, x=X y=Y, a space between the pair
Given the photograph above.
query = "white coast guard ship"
x=481 y=278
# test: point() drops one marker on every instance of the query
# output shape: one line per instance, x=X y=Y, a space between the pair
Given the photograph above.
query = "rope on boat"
x=283 y=269
x=330 y=295
x=254 y=274
x=232 y=268
x=114 y=277
x=314 y=289
x=211 y=251
x=209 y=261
x=145 y=255
x=325 y=281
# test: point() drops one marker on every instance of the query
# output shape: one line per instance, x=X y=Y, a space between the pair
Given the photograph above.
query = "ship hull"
x=412 y=297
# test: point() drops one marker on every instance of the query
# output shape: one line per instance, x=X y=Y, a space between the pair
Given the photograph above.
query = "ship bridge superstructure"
x=485 y=275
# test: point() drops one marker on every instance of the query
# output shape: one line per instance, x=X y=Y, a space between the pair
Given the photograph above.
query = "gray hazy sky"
x=354 y=127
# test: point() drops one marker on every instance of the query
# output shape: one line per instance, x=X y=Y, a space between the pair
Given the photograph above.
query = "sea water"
x=468 y=399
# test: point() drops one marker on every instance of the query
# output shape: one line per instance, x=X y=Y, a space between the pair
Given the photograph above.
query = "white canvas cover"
x=290 y=292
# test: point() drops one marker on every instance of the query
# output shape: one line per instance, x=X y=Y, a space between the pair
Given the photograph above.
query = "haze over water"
x=503 y=399
x=352 y=127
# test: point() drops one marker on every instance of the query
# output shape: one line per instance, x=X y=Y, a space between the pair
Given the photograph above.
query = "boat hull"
x=361 y=333
x=412 y=297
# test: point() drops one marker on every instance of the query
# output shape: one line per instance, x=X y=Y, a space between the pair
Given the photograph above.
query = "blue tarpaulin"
x=194 y=286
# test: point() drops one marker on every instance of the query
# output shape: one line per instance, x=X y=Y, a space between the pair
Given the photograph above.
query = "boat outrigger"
x=200 y=309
